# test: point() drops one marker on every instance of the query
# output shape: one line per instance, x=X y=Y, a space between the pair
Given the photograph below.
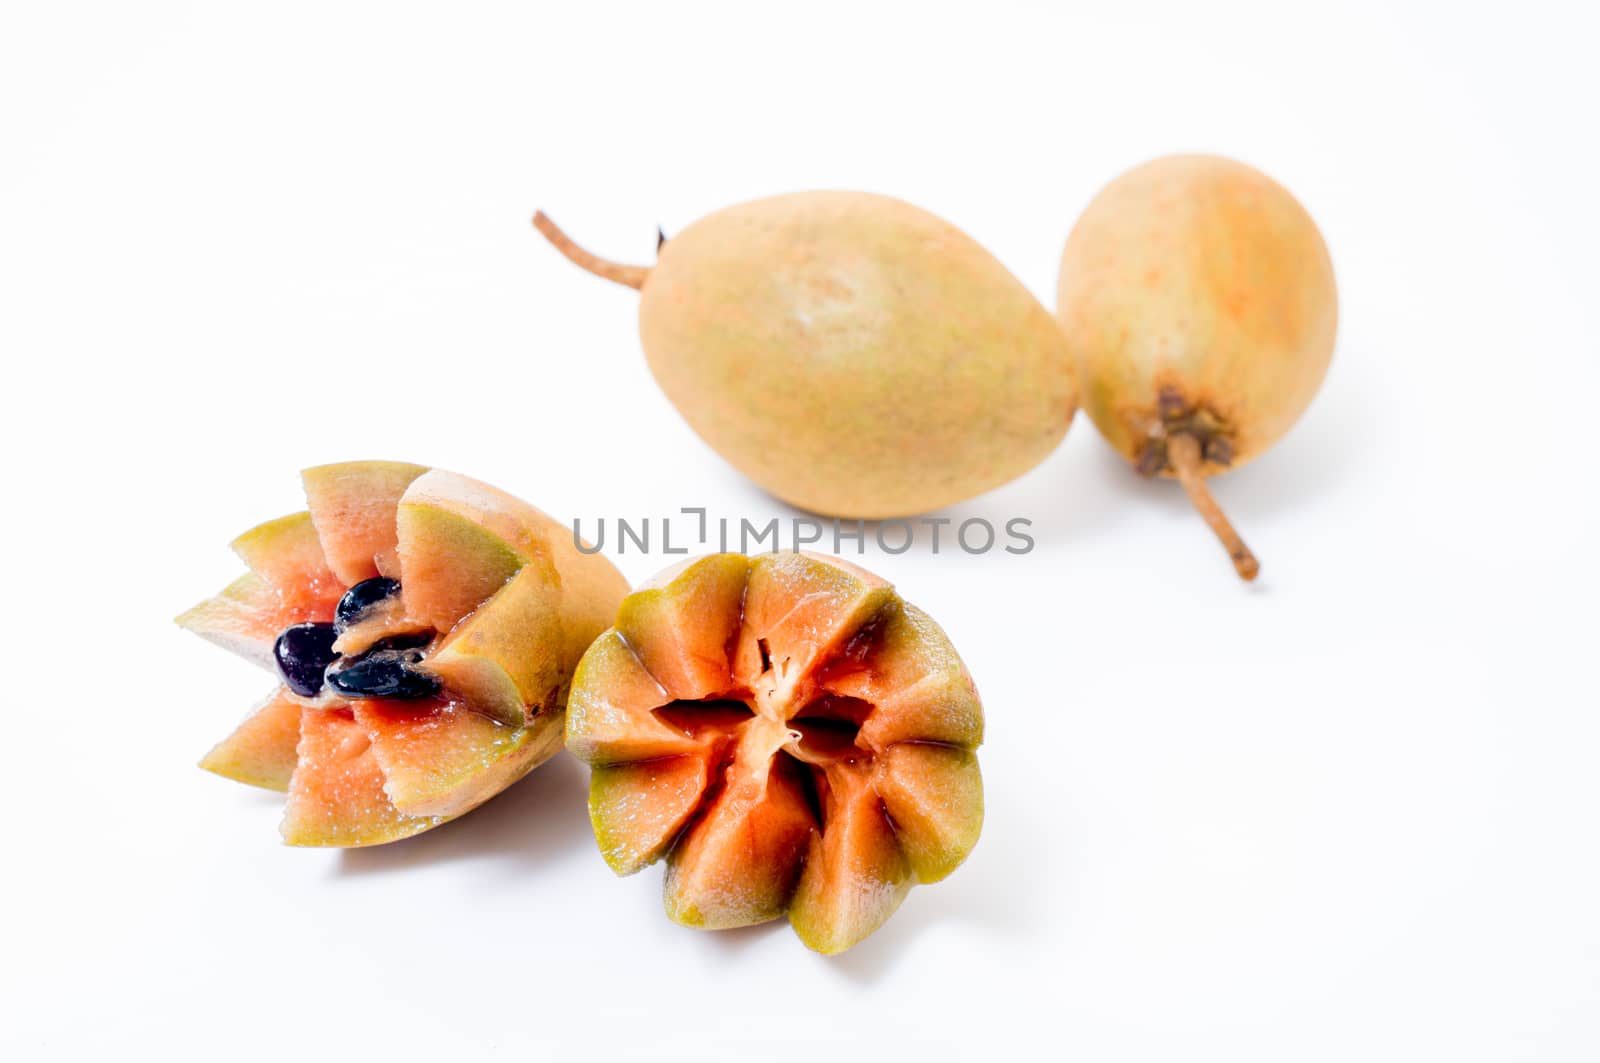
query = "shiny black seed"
x=383 y=674
x=362 y=597
x=413 y=641
x=303 y=652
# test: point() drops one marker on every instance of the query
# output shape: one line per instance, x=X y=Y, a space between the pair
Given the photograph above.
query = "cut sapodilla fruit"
x=789 y=735
x=424 y=627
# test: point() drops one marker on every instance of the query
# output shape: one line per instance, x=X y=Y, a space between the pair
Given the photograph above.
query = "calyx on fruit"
x=1198 y=298
x=850 y=353
x=788 y=735
x=425 y=628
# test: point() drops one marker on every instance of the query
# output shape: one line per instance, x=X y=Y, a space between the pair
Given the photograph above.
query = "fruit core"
x=370 y=650
x=809 y=738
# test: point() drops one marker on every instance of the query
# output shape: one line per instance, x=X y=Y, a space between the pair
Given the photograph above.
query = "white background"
x=1349 y=813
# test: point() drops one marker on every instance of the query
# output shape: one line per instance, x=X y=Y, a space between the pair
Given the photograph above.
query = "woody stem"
x=631 y=276
x=1183 y=451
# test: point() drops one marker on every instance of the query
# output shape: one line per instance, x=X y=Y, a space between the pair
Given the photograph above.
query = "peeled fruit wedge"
x=788 y=735
x=1198 y=299
x=425 y=628
x=852 y=354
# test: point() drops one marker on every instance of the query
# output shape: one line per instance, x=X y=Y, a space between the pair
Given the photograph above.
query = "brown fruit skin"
x=1200 y=277
x=854 y=355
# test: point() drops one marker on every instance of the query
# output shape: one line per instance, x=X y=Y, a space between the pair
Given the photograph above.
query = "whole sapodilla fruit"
x=424 y=628
x=850 y=353
x=1199 y=303
x=788 y=734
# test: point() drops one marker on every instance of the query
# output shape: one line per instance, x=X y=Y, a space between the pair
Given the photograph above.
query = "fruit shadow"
x=963 y=898
x=1094 y=491
x=544 y=815
x=967 y=898
x=1048 y=498
x=1087 y=490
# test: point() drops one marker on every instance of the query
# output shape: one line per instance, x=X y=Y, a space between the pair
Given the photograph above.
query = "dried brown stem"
x=631 y=276
x=1183 y=451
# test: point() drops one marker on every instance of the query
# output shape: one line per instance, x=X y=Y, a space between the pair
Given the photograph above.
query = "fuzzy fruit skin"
x=1202 y=277
x=854 y=355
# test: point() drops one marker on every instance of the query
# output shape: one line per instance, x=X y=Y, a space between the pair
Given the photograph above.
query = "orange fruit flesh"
x=789 y=735
x=353 y=507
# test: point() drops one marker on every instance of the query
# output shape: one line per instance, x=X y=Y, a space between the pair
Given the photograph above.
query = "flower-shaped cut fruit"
x=425 y=628
x=789 y=735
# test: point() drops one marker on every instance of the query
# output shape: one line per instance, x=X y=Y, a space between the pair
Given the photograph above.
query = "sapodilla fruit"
x=788 y=735
x=1199 y=303
x=424 y=628
x=852 y=354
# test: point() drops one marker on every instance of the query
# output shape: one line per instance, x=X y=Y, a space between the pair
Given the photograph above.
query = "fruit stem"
x=631 y=276
x=1183 y=451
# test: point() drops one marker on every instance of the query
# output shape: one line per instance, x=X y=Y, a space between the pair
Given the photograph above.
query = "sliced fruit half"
x=426 y=628
x=789 y=735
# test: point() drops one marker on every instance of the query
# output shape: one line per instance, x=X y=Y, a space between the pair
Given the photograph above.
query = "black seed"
x=362 y=597
x=303 y=652
x=403 y=642
x=382 y=674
